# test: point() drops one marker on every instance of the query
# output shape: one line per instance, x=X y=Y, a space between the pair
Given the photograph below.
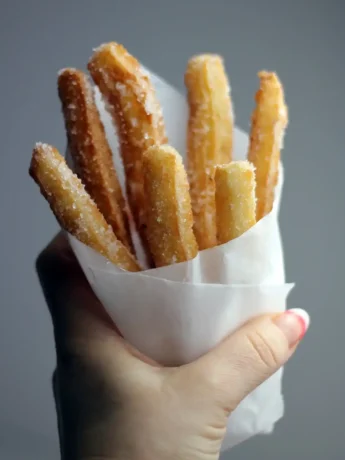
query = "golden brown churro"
x=176 y=213
x=90 y=151
x=73 y=207
x=269 y=121
x=235 y=199
x=169 y=212
x=210 y=133
x=131 y=100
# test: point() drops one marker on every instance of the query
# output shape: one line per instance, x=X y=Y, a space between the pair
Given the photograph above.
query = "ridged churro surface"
x=235 y=199
x=210 y=137
x=132 y=103
x=90 y=151
x=169 y=214
x=73 y=207
x=269 y=121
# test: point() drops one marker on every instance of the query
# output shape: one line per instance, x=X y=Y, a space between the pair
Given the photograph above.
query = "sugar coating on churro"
x=175 y=213
x=235 y=199
x=73 y=207
x=210 y=137
x=136 y=112
x=91 y=152
x=210 y=92
x=122 y=72
x=269 y=122
x=169 y=212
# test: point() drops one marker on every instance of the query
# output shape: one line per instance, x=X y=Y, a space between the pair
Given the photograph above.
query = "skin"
x=114 y=403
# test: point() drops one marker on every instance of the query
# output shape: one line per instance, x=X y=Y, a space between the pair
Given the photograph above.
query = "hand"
x=114 y=403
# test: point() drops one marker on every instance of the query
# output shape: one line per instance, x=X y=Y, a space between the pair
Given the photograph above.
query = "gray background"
x=305 y=43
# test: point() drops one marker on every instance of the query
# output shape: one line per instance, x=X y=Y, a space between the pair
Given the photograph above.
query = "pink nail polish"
x=303 y=318
x=294 y=324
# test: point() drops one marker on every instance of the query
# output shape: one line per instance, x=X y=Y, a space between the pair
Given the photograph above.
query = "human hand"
x=114 y=403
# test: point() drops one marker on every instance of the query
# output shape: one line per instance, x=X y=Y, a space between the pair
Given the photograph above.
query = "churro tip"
x=205 y=57
x=39 y=150
x=106 y=47
x=95 y=52
x=113 y=51
x=164 y=150
x=103 y=46
x=66 y=70
x=244 y=165
x=264 y=73
x=270 y=77
x=41 y=147
x=98 y=49
x=197 y=62
x=241 y=165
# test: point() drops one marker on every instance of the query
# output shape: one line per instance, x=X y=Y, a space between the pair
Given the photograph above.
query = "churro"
x=175 y=212
x=132 y=103
x=90 y=151
x=169 y=212
x=210 y=137
x=269 y=121
x=74 y=208
x=235 y=199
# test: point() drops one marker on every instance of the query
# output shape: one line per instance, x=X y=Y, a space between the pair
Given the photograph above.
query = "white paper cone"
x=177 y=313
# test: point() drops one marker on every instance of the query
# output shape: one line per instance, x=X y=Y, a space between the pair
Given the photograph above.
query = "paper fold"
x=175 y=314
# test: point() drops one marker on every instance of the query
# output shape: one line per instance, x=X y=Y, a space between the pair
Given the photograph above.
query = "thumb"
x=252 y=354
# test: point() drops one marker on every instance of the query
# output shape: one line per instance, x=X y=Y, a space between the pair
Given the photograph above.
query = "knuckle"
x=264 y=350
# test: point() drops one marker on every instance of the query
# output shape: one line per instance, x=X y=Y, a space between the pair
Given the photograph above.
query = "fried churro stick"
x=131 y=100
x=210 y=137
x=90 y=151
x=269 y=121
x=169 y=216
x=73 y=207
x=235 y=199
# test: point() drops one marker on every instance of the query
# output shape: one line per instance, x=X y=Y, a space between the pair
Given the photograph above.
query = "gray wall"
x=306 y=45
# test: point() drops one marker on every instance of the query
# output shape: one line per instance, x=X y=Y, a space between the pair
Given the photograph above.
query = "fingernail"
x=294 y=323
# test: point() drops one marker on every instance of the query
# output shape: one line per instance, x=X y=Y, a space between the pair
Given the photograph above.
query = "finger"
x=54 y=266
x=252 y=354
x=57 y=249
x=77 y=314
x=61 y=277
x=70 y=299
